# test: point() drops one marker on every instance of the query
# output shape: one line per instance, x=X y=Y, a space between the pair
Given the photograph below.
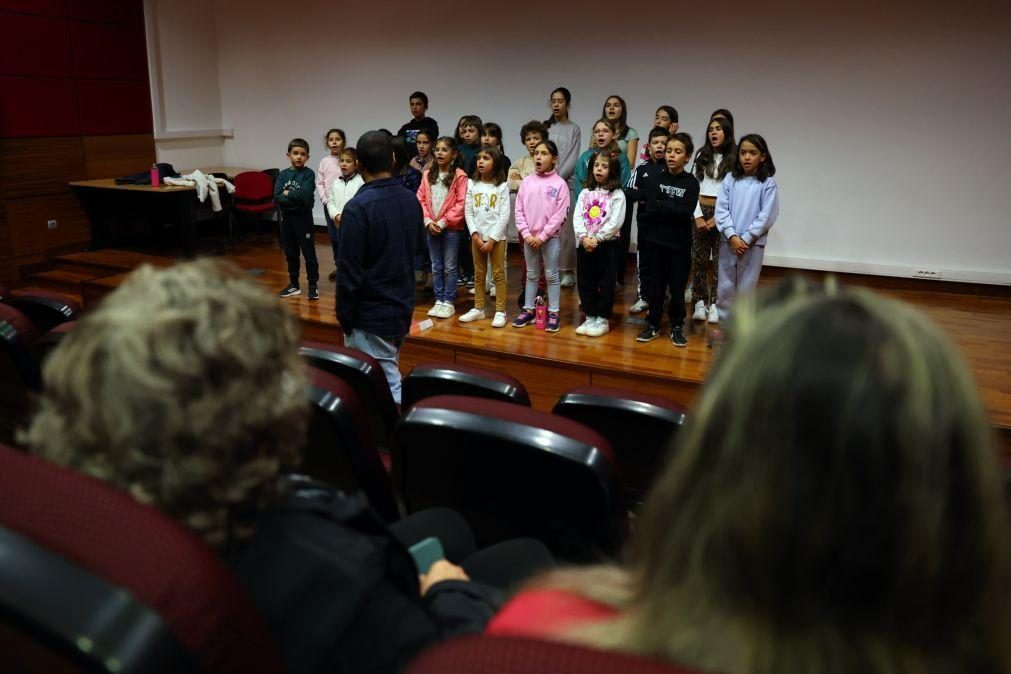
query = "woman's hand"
x=439 y=571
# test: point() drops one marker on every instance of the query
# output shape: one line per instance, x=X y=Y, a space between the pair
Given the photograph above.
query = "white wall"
x=887 y=124
x=183 y=66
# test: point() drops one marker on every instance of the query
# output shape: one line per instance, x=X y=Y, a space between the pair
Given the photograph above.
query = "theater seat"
x=19 y=374
x=45 y=344
x=511 y=471
x=501 y=655
x=339 y=448
x=104 y=532
x=45 y=309
x=638 y=426
x=362 y=373
x=434 y=379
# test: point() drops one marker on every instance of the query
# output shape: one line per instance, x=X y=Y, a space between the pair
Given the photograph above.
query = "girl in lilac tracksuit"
x=542 y=204
x=746 y=209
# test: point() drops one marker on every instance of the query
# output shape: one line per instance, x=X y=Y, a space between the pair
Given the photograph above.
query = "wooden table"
x=103 y=200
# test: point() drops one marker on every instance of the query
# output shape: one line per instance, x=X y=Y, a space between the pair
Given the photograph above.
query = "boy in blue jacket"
x=294 y=193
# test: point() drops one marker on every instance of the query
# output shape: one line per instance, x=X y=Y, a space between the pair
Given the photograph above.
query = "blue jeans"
x=444 y=250
x=385 y=351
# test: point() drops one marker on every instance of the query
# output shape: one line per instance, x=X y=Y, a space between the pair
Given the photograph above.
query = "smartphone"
x=426 y=552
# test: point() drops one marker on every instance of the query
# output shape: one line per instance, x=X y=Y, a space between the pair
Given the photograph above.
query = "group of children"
x=704 y=214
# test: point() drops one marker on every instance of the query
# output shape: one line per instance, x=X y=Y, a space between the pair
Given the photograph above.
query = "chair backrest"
x=253 y=186
x=45 y=309
x=19 y=373
x=363 y=373
x=509 y=655
x=434 y=379
x=511 y=471
x=48 y=608
x=339 y=449
x=45 y=344
x=638 y=426
x=163 y=566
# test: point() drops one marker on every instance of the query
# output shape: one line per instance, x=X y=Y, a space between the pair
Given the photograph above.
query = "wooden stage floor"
x=977 y=318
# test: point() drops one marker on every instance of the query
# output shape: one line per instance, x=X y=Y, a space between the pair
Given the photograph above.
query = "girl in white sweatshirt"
x=487 y=213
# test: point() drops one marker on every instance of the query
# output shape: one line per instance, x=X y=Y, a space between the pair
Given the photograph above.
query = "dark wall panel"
x=108 y=11
x=38 y=166
x=114 y=107
x=20 y=40
x=103 y=51
x=37 y=7
x=38 y=107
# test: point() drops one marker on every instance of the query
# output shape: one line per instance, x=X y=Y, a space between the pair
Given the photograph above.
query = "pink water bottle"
x=541 y=313
x=155 y=176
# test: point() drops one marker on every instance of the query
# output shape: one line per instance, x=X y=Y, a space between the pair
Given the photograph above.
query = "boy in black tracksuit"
x=294 y=193
x=633 y=193
x=669 y=200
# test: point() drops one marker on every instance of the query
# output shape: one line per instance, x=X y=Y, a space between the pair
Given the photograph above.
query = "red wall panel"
x=20 y=40
x=37 y=7
x=129 y=12
x=103 y=51
x=39 y=107
x=111 y=107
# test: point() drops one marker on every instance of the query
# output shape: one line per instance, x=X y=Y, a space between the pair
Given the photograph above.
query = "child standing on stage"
x=487 y=214
x=423 y=143
x=491 y=136
x=746 y=208
x=666 y=118
x=627 y=138
x=532 y=134
x=599 y=212
x=328 y=171
x=541 y=207
x=344 y=187
x=670 y=200
x=468 y=142
x=712 y=163
x=442 y=194
x=657 y=145
x=568 y=138
x=294 y=193
x=603 y=142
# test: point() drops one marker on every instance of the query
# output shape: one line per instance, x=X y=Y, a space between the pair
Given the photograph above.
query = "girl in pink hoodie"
x=541 y=206
x=442 y=194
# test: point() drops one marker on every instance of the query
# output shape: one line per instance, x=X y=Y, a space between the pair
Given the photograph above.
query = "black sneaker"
x=313 y=293
x=291 y=291
x=649 y=334
x=677 y=336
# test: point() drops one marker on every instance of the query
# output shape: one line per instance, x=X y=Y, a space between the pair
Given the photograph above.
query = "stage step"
x=108 y=262
x=28 y=290
x=64 y=281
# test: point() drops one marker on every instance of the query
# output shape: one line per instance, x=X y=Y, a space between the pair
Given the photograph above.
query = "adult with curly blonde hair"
x=186 y=389
x=836 y=506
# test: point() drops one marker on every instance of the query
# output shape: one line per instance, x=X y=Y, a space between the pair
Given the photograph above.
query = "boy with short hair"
x=656 y=146
x=419 y=121
x=532 y=134
x=294 y=194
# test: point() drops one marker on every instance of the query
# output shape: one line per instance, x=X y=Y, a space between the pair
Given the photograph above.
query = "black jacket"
x=340 y=594
x=375 y=265
x=668 y=207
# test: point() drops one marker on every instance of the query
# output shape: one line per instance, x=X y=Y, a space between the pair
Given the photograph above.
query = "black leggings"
x=503 y=566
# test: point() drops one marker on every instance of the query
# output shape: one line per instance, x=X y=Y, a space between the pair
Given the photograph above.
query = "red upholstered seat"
x=164 y=566
x=44 y=308
x=639 y=427
x=19 y=373
x=254 y=195
x=339 y=448
x=511 y=471
x=499 y=655
x=433 y=379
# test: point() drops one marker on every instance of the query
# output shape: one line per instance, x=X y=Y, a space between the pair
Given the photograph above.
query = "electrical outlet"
x=932 y=274
x=52 y=224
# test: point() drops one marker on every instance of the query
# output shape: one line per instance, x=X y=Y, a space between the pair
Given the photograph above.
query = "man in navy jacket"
x=375 y=280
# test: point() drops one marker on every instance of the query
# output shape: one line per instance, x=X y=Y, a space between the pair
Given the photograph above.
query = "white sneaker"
x=474 y=314
x=639 y=307
x=500 y=320
x=700 y=311
x=688 y=294
x=436 y=309
x=714 y=315
x=584 y=326
x=568 y=279
x=601 y=326
x=448 y=310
